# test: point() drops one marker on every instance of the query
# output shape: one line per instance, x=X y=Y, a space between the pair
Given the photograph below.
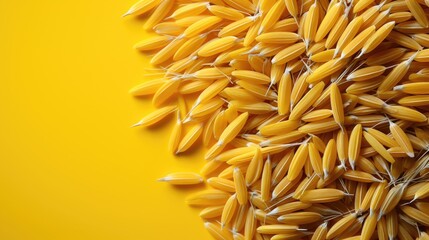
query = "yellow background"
x=70 y=165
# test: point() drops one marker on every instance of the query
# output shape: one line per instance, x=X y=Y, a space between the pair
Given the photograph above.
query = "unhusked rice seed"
x=314 y=114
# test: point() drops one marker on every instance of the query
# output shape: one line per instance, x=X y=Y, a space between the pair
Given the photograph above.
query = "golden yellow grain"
x=182 y=178
x=189 y=10
x=316 y=115
x=355 y=145
x=405 y=113
x=422 y=192
x=329 y=158
x=285 y=25
x=378 y=197
x=153 y=43
x=360 y=176
x=217 y=232
x=381 y=19
x=404 y=40
x=369 y=227
x=278 y=38
x=305 y=103
x=285 y=185
x=377 y=37
x=237 y=27
x=204 y=109
x=167 y=52
x=225 y=12
x=418 y=12
x=240 y=219
x=188 y=21
x=211 y=212
x=254 y=170
x=337 y=105
x=386 y=56
x=233 y=129
x=308 y=183
x=272 y=16
x=279 y=128
x=349 y=33
x=141 y=7
x=289 y=53
x=229 y=210
x=417 y=215
x=255 y=108
x=369 y=15
x=342 y=225
x=259 y=90
x=361 y=5
x=357 y=43
x=201 y=26
x=326 y=70
x=281 y=168
x=392 y=224
x=381 y=137
x=240 y=186
x=189 y=47
x=210 y=167
x=277 y=229
x=315 y=159
x=212 y=73
x=378 y=147
x=221 y=184
x=297 y=162
x=191 y=87
x=401 y=138
x=337 y=31
x=159 y=14
x=217 y=46
x=229 y=171
x=266 y=181
x=316 y=48
x=392 y=199
x=382 y=229
x=168 y=28
x=289 y=208
x=147 y=88
x=300 y=218
x=413 y=88
x=311 y=23
x=176 y=134
x=210 y=197
x=227 y=155
x=298 y=89
x=250 y=226
x=219 y=124
x=251 y=76
x=421 y=38
x=329 y=21
x=324 y=56
x=284 y=92
x=399 y=17
x=318 y=127
x=324 y=195
x=156 y=116
x=190 y=138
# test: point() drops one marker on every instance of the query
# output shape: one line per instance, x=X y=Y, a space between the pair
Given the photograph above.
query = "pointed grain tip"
x=137 y=124
x=126 y=14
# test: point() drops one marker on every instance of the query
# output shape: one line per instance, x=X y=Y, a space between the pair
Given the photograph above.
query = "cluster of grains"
x=314 y=113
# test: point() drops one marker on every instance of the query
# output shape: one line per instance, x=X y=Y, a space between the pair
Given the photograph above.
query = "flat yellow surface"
x=70 y=165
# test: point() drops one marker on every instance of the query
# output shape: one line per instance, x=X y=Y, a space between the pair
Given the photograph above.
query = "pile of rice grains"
x=314 y=113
